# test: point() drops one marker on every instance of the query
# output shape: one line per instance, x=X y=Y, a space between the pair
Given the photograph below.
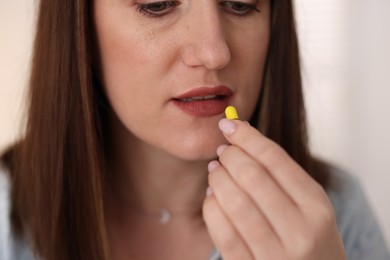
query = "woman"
x=125 y=126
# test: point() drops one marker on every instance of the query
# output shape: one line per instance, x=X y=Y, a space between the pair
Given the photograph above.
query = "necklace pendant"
x=165 y=216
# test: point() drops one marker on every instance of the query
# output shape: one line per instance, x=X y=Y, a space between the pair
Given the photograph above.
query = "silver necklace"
x=165 y=216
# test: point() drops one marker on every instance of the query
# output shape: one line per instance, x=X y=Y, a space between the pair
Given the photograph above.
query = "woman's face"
x=171 y=67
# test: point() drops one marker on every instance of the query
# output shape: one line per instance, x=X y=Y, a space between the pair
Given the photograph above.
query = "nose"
x=205 y=43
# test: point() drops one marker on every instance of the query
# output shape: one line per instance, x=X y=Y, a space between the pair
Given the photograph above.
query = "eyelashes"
x=239 y=8
x=162 y=8
x=157 y=9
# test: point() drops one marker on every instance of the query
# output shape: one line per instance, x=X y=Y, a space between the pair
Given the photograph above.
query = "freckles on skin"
x=131 y=57
x=137 y=65
x=132 y=65
x=143 y=69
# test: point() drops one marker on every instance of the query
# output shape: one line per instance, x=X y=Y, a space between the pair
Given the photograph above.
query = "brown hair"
x=57 y=170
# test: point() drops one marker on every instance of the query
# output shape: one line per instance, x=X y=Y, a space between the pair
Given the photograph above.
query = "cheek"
x=122 y=58
x=130 y=72
x=130 y=62
x=251 y=74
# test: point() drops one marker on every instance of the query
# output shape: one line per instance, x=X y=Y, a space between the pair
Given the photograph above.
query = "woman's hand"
x=264 y=205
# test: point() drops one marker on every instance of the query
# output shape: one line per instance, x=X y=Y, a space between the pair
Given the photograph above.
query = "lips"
x=204 y=101
x=200 y=98
x=202 y=92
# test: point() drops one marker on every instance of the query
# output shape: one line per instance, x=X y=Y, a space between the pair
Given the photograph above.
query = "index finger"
x=291 y=177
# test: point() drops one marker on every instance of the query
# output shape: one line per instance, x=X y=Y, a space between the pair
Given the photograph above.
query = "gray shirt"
x=358 y=227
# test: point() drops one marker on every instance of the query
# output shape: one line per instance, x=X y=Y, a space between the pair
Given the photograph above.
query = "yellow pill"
x=231 y=113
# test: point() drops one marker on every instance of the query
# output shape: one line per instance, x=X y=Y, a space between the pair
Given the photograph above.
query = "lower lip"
x=203 y=108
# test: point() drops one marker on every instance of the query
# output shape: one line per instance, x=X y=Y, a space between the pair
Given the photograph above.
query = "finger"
x=226 y=239
x=242 y=212
x=289 y=175
x=275 y=204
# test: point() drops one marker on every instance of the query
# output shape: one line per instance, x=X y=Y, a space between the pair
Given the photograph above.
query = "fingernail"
x=221 y=148
x=212 y=165
x=209 y=192
x=227 y=126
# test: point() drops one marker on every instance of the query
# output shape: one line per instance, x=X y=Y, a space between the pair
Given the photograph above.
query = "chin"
x=195 y=156
x=199 y=151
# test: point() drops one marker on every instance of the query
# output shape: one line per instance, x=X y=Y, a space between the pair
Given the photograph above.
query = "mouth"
x=205 y=93
x=204 y=101
x=200 y=98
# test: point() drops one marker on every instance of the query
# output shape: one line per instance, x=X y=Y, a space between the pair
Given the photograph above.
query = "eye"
x=157 y=9
x=239 y=8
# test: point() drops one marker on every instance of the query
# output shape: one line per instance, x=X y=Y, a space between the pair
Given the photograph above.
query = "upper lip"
x=206 y=91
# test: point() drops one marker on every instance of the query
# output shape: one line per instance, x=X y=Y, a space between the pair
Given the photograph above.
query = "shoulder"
x=11 y=247
x=356 y=221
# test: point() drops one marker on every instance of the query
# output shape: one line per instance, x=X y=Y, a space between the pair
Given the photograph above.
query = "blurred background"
x=345 y=49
